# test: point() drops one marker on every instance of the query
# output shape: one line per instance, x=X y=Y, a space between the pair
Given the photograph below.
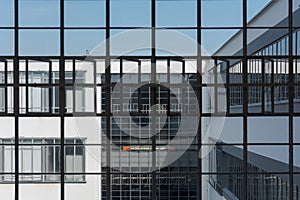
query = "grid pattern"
x=252 y=77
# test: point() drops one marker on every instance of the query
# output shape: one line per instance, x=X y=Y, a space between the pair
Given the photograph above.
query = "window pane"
x=273 y=186
x=296 y=129
x=84 y=72
x=130 y=42
x=7 y=159
x=176 y=43
x=214 y=42
x=39 y=13
x=28 y=191
x=6 y=99
x=46 y=127
x=183 y=186
x=38 y=99
x=75 y=162
x=39 y=42
x=232 y=131
x=223 y=159
x=8 y=127
x=84 y=99
x=89 y=130
x=236 y=99
x=130 y=13
x=231 y=185
x=7 y=190
x=83 y=42
x=6 y=13
x=38 y=72
x=262 y=42
x=297 y=159
x=222 y=13
x=83 y=13
x=258 y=129
x=7 y=42
x=94 y=193
x=268 y=158
x=176 y=13
x=254 y=7
x=269 y=18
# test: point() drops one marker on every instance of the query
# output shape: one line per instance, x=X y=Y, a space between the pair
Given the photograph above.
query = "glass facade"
x=86 y=113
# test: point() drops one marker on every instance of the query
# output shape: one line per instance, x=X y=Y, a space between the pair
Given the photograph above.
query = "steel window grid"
x=44 y=148
x=245 y=85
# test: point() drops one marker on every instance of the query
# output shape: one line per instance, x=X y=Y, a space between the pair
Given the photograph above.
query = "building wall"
x=43 y=127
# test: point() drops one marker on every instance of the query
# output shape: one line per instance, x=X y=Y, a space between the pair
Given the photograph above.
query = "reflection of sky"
x=134 y=13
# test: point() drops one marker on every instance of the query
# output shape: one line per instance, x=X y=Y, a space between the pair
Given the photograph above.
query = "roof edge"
x=267 y=7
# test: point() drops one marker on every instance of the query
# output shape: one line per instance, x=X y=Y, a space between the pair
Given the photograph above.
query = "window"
x=39 y=160
x=38 y=98
x=46 y=91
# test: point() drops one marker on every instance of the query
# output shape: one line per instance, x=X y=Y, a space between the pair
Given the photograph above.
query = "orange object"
x=126 y=148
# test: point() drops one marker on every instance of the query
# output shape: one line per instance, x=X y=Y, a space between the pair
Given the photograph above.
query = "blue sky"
x=135 y=13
